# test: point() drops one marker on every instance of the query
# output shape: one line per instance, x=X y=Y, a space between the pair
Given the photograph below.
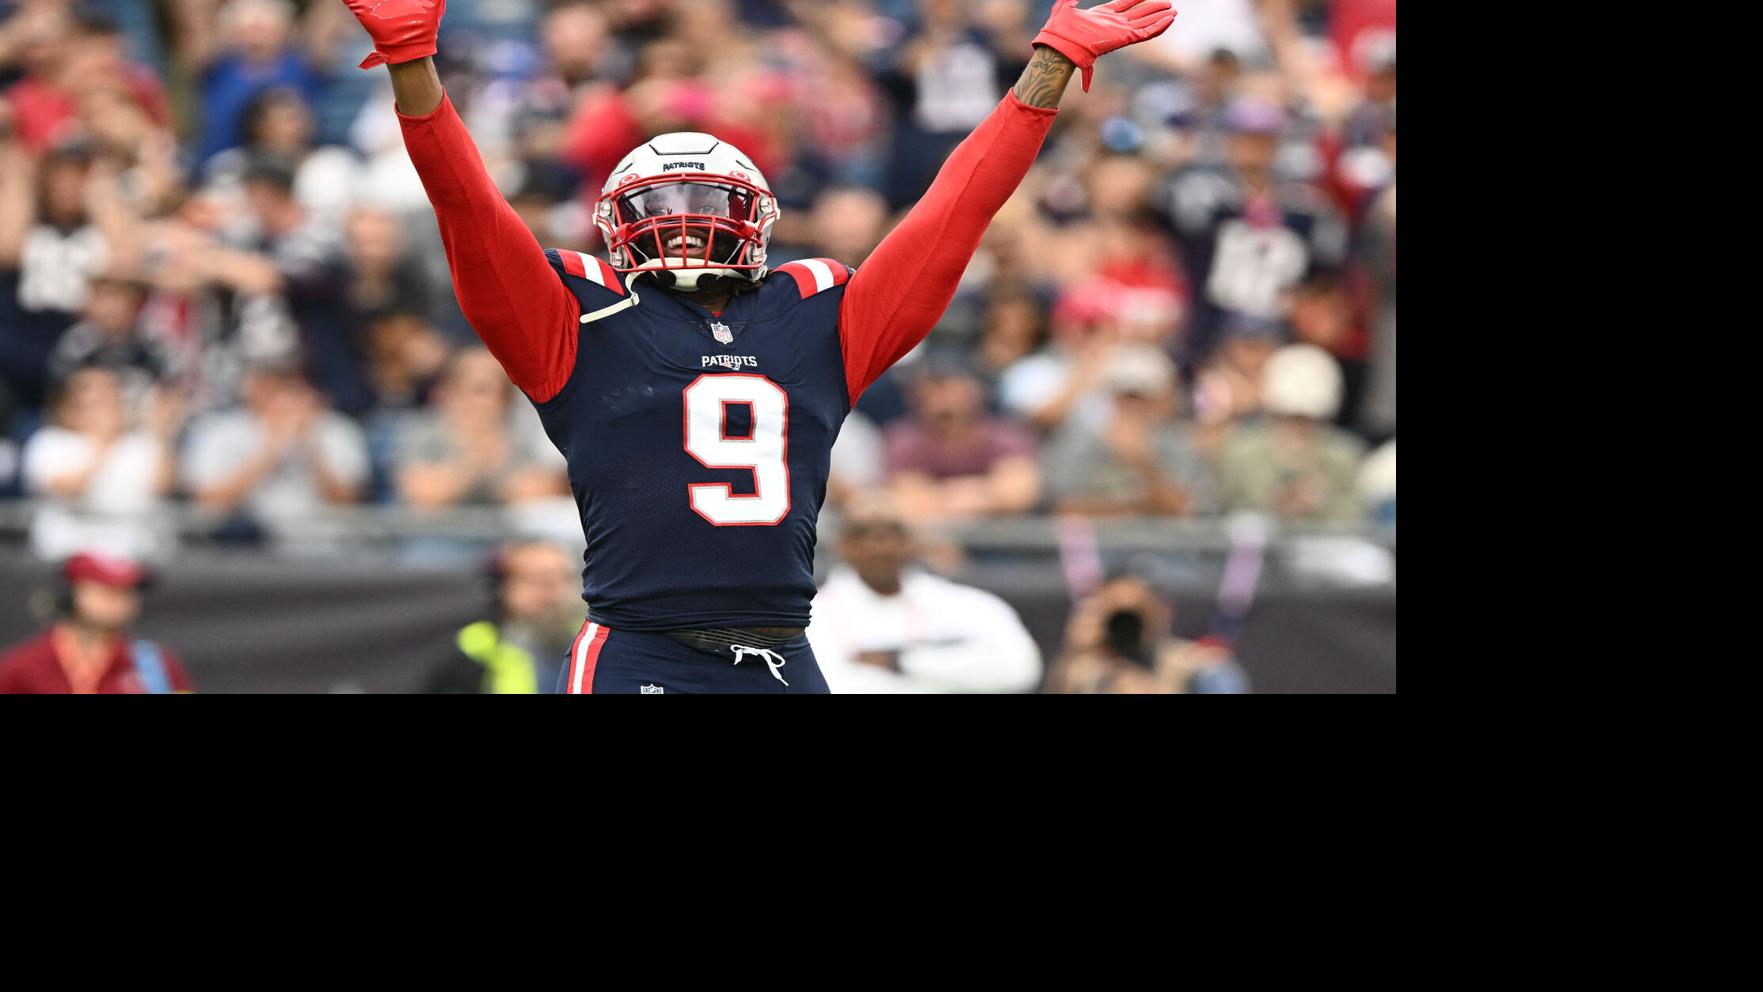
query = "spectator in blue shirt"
x=257 y=52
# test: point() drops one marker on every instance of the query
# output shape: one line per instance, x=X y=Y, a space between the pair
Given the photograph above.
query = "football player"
x=694 y=390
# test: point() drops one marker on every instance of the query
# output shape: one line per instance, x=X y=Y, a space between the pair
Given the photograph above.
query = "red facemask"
x=687 y=220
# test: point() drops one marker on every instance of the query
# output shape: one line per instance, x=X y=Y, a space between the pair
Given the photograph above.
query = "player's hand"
x=1084 y=35
x=402 y=30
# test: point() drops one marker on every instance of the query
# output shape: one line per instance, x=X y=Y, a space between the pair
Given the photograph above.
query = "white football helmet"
x=689 y=204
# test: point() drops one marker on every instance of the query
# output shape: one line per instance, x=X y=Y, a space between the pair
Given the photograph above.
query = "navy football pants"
x=633 y=661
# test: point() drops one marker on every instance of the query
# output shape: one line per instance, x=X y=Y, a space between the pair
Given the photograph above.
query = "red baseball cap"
x=88 y=566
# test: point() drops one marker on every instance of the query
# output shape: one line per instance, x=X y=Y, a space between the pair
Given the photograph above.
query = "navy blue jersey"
x=1241 y=263
x=698 y=445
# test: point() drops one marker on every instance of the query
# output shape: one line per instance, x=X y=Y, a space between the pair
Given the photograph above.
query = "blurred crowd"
x=221 y=285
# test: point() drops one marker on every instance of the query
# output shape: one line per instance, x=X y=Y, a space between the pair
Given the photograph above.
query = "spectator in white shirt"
x=100 y=476
x=282 y=455
x=882 y=625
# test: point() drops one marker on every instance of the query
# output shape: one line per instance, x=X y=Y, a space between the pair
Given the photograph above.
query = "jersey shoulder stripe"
x=594 y=270
x=816 y=275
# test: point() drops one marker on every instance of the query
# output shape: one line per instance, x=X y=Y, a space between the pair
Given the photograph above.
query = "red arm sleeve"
x=901 y=291
x=506 y=288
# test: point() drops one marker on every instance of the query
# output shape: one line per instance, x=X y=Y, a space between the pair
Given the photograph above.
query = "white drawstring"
x=741 y=653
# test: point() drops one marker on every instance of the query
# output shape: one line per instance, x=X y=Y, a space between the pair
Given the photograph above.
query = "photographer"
x=1119 y=641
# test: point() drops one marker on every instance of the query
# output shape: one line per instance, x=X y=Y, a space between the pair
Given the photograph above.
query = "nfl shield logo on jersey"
x=723 y=335
x=648 y=689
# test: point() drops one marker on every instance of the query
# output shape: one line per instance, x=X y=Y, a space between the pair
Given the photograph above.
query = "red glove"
x=402 y=30
x=1083 y=35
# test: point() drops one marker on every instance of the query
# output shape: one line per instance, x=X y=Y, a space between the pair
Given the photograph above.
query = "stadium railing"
x=365 y=527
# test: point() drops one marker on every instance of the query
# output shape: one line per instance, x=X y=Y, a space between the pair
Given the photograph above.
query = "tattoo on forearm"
x=1043 y=82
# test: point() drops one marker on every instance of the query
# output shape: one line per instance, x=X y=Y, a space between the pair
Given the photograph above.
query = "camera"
x=1125 y=632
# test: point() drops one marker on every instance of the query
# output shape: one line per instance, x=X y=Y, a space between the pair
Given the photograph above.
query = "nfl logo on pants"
x=649 y=690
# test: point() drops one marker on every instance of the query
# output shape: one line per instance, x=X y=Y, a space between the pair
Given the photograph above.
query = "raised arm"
x=900 y=293
x=506 y=288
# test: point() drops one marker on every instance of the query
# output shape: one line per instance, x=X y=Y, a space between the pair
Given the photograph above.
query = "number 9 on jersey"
x=764 y=452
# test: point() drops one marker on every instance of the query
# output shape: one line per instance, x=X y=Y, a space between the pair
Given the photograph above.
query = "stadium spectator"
x=61 y=223
x=1015 y=327
x=282 y=455
x=310 y=270
x=1062 y=379
x=405 y=358
x=1093 y=318
x=213 y=306
x=945 y=79
x=88 y=648
x=583 y=65
x=72 y=59
x=950 y=460
x=110 y=335
x=1132 y=262
x=467 y=451
x=1183 y=115
x=576 y=44
x=1367 y=160
x=536 y=610
x=846 y=224
x=1227 y=389
x=844 y=116
x=1247 y=235
x=1233 y=27
x=381 y=275
x=257 y=52
x=1143 y=461
x=99 y=472
x=1120 y=641
x=338 y=280
x=279 y=126
x=1296 y=465
x=675 y=89
x=882 y=625
x=1322 y=314
x=31 y=37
